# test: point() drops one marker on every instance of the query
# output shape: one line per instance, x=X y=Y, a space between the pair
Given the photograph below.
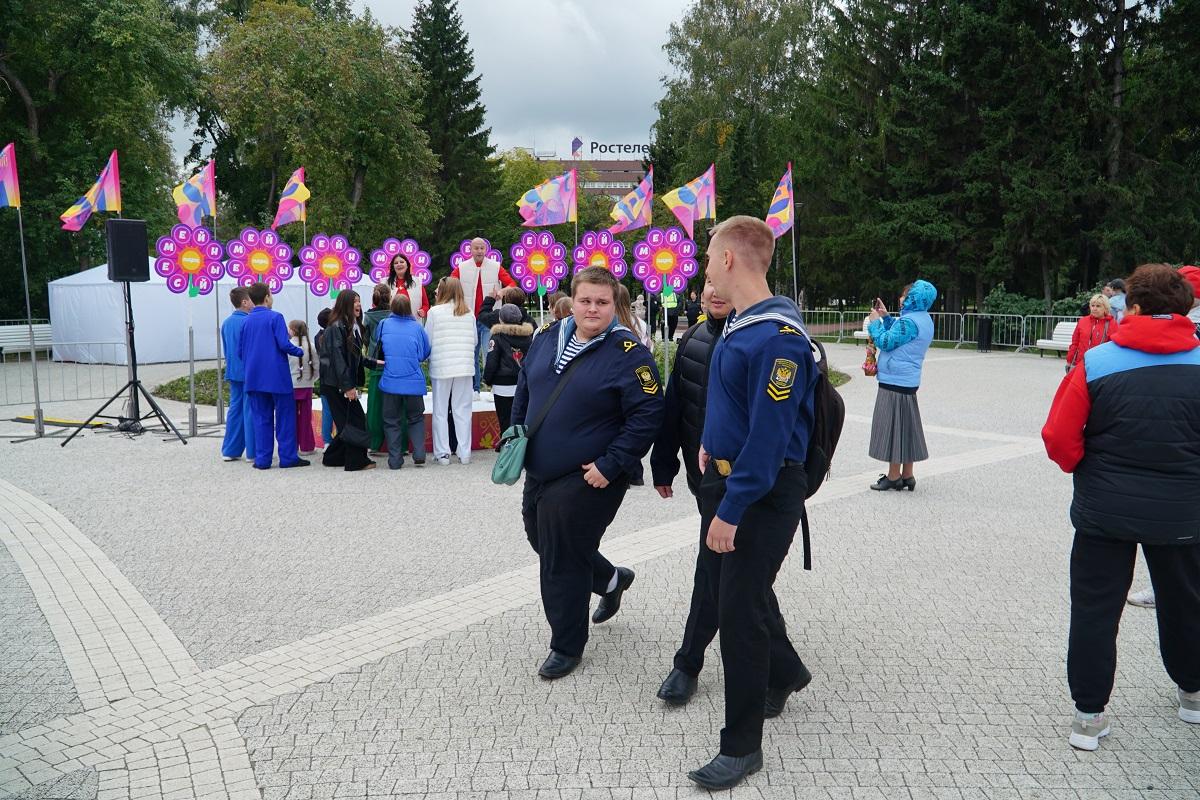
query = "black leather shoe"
x=300 y=462
x=884 y=483
x=610 y=603
x=678 y=688
x=725 y=772
x=558 y=665
x=909 y=483
x=777 y=698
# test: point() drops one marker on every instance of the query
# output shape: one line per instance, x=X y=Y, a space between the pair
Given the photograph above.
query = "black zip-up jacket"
x=342 y=362
x=506 y=351
x=608 y=414
x=687 y=395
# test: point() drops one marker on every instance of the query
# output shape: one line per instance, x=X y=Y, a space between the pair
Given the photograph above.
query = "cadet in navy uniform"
x=582 y=456
x=756 y=431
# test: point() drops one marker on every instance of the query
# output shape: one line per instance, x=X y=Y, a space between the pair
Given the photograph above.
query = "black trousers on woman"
x=348 y=416
x=565 y=519
x=503 y=411
x=1101 y=574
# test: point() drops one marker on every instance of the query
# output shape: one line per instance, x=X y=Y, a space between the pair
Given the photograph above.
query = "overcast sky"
x=555 y=69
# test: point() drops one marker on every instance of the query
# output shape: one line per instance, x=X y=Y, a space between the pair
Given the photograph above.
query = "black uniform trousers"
x=701 y=626
x=755 y=648
x=564 y=521
x=346 y=414
x=1101 y=574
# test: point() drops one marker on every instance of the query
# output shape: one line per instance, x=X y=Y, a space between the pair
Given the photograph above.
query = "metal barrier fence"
x=1011 y=331
x=64 y=380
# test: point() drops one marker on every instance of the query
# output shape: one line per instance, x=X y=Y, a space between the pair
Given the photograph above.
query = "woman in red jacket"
x=1096 y=328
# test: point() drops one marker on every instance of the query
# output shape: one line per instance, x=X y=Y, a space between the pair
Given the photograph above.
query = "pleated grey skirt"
x=897 y=436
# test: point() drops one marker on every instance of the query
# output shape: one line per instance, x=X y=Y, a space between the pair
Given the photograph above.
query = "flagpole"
x=795 y=283
x=217 y=309
x=39 y=427
x=304 y=236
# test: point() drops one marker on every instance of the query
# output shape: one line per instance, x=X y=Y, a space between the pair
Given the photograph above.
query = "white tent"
x=87 y=316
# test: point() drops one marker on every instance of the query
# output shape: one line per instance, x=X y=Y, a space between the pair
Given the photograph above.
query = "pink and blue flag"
x=635 y=209
x=780 y=214
x=293 y=201
x=196 y=198
x=550 y=203
x=10 y=191
x=105 y=195
x=696 y=199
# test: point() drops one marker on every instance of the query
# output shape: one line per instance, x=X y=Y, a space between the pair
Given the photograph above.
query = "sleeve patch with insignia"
x=645 y=377
x=783 y=377
x=629 y=345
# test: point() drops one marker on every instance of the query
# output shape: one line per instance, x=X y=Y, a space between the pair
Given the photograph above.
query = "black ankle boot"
x=884 y=483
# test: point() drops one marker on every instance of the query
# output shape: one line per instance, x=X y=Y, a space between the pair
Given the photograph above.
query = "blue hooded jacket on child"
x=903 y=342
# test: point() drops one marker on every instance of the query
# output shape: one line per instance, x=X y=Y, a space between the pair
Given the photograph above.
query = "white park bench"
x=15 y=338
x=1059 y=341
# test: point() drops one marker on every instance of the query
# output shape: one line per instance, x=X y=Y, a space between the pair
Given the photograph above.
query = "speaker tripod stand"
x=132 y=421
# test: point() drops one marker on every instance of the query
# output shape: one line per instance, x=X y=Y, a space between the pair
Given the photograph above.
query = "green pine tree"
x=453 y=118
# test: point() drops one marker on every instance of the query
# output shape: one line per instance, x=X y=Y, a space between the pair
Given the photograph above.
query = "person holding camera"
x=897 y=435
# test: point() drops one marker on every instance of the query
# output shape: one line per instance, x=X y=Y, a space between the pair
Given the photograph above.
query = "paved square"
x=173 y=626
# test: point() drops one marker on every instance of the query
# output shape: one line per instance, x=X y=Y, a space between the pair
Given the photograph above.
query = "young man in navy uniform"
x=757 y=427
x=583 y=455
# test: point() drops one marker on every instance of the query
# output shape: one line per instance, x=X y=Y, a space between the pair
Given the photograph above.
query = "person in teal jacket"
x=897 y=435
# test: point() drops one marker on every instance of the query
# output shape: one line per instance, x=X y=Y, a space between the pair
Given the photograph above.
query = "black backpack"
x=829 y=414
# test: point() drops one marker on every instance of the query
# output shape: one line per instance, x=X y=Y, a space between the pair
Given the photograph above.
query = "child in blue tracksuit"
x=264 y=348
x=239 y=428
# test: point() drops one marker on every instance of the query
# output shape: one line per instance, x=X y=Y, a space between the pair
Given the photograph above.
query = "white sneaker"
x=1087 y=733
x=466 y=460
x=230 y=458
x=1189 y=707
x=443 y=460
x=1143 y=598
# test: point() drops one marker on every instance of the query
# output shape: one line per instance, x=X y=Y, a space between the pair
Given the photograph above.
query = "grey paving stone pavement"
x=934 y=621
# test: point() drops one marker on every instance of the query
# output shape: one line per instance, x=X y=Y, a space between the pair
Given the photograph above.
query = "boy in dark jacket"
x=510 y=341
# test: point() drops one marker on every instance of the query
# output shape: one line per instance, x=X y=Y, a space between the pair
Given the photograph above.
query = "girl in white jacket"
x=451 y=329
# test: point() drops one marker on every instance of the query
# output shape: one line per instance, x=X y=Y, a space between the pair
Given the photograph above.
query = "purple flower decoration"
x=538 y=262
x=665 y=258
x=418 y=260
x=190 y=259
x=330 y=265
x=464 y=253
x=600 y=249
x=259 y=257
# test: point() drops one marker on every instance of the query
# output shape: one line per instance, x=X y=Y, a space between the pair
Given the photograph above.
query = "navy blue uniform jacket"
x=264 y=349
x=760 y=400
x=608 y=414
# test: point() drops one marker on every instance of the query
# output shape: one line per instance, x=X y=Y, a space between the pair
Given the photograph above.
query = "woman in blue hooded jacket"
x=896 y=433
x=402 y=345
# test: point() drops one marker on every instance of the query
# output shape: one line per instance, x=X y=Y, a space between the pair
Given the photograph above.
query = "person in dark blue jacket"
x=239 y=427
x=264 y=349
x=757 y=425
x=584 y=451
x=402 y=345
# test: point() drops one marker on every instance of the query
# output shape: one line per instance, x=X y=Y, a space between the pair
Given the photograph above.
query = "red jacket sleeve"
x=454 y=273
x=505 y=278
x=1063 y=431
x=1076 y=335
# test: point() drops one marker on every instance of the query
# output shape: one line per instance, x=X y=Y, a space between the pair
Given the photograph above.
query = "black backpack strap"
x=807 y=542
x=558 y=390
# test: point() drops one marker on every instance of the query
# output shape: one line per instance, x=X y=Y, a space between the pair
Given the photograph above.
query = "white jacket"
x=451 y=342
x=470 y=275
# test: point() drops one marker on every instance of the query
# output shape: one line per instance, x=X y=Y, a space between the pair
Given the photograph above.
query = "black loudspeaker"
x=128 y=250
